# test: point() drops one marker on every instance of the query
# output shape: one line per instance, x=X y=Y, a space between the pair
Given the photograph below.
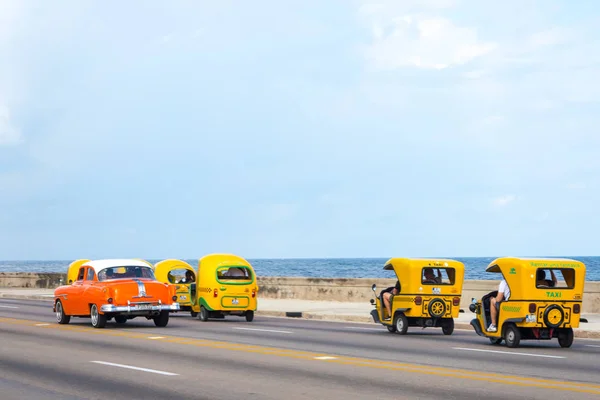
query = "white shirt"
x=505 y=289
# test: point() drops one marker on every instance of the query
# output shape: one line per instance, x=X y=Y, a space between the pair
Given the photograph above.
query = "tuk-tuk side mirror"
x=373 y=287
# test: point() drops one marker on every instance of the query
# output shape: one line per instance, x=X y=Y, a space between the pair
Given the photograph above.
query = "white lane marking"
x=325 y=358
x=592 y=345
x=154 y=371
x=508 y=352
x=156 y=337
x=8 y=306
x=366 y=329
x=262 y=330
x=42 y=324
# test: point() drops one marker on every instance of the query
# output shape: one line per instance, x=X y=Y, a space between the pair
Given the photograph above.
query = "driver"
x=387 y=298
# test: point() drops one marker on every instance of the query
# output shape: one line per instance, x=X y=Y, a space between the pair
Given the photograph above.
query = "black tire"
x=162 y=319
x=436 y=308
x=448 y=326
x=98 y=320
x=392 y=328
x=552 y=321
x=194 y=314
x=119 y=319
x=512 y=335
x=565 y=337
x=61 y=317
x=249 y=315
x=495 y=341
x=203 y=314
x=401 y=323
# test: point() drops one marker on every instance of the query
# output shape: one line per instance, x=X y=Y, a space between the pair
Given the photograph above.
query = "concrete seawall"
x=355 y=290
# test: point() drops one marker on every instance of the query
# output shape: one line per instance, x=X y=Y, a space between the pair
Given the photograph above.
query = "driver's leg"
x=493 y=314
x=386 y=302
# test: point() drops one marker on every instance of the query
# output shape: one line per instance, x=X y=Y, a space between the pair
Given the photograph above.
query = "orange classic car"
x=120 y=288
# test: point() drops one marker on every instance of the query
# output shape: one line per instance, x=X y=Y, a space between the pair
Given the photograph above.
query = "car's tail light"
x=418 y=300
x=532 y=308
x=576 y=309
x=215 y=293
x=110 y=300
x=455 y=301
x=253 y=293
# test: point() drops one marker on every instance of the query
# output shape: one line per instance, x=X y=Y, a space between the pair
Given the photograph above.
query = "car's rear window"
x=125 y=272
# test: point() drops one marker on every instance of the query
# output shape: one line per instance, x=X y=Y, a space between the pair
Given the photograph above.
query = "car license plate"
x=234 y=301
x=144 y=306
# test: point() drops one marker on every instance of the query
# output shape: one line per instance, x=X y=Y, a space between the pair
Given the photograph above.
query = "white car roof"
x=99 y=265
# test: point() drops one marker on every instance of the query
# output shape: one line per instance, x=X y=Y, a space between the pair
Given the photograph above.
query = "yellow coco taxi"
x=73 y=270
x=427 y=294
x=542 y=300
x=182 y=275
x=226 y=285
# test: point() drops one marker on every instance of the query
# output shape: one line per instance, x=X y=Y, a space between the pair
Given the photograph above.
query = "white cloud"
x=504 y=200
x=9 y=134
x=402 y=38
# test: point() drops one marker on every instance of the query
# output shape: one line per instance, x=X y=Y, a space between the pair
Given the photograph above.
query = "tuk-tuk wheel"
x=401 y=323
x=495 y=341
x=392 y=328
x=565 y=337
x=512 y=335
x=249 y=315
x=194 y=314
x=203 y=314
x=448 y=326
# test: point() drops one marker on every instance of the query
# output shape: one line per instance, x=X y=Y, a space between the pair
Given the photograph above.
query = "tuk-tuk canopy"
x=410 y=270
x=163 y=268
x=210 y=263
x=521 y=274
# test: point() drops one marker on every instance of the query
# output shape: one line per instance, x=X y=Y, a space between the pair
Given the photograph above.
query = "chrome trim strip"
x=141 y=288
x=139 y=307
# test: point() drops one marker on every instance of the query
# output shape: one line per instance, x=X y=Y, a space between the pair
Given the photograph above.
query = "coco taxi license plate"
x=236 y=301
x=183 y=297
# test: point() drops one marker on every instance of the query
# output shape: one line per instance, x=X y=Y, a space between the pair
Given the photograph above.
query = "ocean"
x=316 y=267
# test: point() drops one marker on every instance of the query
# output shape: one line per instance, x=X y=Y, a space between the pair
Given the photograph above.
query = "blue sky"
x=299 y=128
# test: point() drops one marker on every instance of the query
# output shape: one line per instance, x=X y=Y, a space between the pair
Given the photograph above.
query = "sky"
x=299 y=128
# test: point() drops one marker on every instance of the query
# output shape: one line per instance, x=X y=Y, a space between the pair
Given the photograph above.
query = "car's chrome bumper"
x=137 y=308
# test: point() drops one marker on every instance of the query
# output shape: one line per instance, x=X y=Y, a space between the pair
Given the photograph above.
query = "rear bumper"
x=139 y=308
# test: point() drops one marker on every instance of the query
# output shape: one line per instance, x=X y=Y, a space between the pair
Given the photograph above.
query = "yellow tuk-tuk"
x=429 y=292
x=544 y=301
x=74 y=270
x=181 y=274
x=226 y=285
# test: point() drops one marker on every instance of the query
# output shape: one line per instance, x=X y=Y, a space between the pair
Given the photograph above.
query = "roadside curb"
x=27 y=297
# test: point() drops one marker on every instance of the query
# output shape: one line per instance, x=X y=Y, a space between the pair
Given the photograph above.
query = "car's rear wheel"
x=162 y=319
x=61 y=317
x=249 y=315
x=98 y=320
x=203 y=314
x=119 y=319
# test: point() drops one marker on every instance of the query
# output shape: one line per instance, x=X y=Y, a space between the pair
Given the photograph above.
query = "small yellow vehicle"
x=428 y=295
x=181 y=274
x=542 y=301
x=226 y=285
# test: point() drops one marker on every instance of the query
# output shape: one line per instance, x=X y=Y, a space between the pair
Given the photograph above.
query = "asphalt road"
x=274 y=358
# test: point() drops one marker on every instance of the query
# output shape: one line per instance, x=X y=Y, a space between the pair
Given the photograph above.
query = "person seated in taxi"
x=542 y=281
x=189 y=277
x=387 y=298
x=430 y=277
x=503 y=295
